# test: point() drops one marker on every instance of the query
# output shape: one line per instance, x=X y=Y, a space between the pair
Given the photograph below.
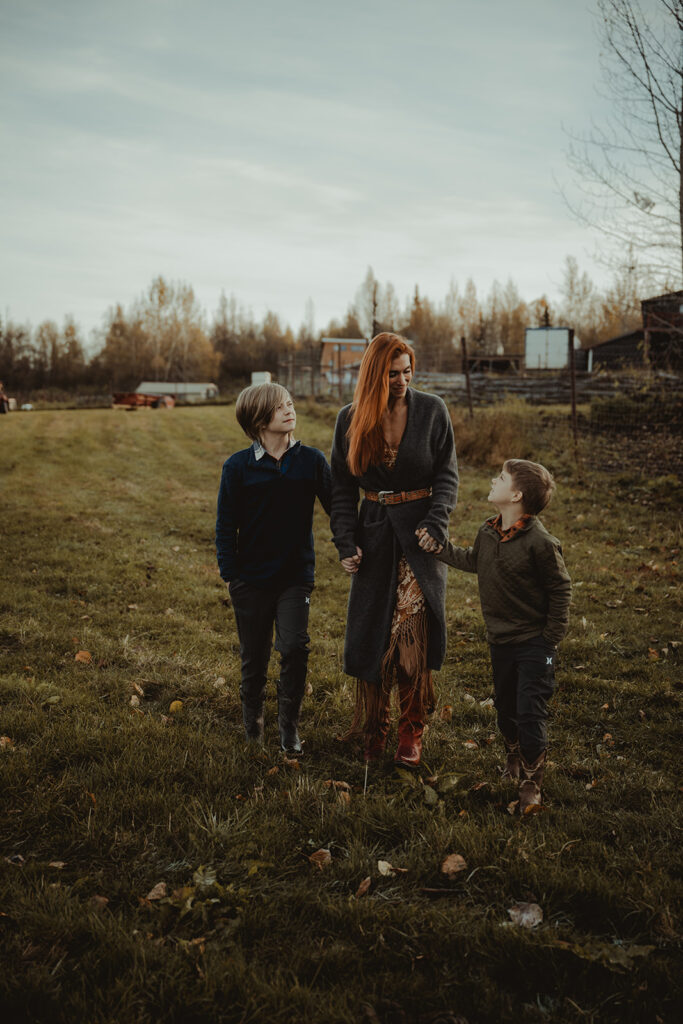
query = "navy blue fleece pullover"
x=264 y=522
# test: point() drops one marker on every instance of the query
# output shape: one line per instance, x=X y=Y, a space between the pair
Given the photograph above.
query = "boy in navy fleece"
x=264 y=543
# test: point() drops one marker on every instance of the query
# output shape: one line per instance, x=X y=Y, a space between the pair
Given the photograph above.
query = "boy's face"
x=503 y=490
x=283 y=420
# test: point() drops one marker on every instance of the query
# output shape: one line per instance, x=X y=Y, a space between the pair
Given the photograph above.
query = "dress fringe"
x=405 y=661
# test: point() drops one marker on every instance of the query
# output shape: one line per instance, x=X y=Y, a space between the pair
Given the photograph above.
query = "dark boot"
x=290 y=693
x=531 y=780
x=377 y=729
x=252 y=717
x=512 y=764
x=410 y=724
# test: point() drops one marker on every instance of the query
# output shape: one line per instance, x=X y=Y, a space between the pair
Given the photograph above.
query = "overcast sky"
x=276 y=150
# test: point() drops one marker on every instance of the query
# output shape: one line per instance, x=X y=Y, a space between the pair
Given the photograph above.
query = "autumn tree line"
x=166 y=335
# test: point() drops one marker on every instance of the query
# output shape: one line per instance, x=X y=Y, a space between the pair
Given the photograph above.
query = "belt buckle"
x=382 y=497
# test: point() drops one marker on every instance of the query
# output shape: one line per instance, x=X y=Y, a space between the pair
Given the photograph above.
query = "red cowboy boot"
x=410 y=725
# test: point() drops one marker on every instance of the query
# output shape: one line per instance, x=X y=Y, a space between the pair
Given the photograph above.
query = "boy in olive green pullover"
x=525 y=592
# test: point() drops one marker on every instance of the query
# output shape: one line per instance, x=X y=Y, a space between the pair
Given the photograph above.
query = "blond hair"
x=534 y=481
x=256 y=406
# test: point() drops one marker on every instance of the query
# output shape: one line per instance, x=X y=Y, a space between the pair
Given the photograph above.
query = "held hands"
x=427 y=542
x=351 y=565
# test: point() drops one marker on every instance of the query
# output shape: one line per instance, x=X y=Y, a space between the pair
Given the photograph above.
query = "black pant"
x=524 y=682
x=256 y=611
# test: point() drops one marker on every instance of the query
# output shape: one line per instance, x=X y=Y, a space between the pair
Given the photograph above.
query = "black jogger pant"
x=524 y=682
x=257 y=609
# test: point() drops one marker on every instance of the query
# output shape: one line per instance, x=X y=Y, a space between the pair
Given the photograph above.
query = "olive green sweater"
x=524 y=586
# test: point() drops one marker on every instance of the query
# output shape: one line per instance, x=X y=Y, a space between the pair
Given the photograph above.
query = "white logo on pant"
x=548 y=661
x=307 y=600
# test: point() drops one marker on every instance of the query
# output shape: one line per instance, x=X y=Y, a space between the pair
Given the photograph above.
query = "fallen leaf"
x=6 y=743
x=309 y=690
x=273 y=771
x=344 y=798
x=447 y=712
x=321 y=858
x=175 y=706
x=512 y=806
x=526 y=915
x=363 y=887
x=641 y=715
x=453 y=865
x=138 y=689
x=58 y=864
x=83 y=656
x=470 y=745
x=386 y=869
x=159 y=892
x=431 y=796
x=652 y=654
x=533 y=809
x=337 y=784
x=468 y=698
x=219 y=683
x=605 y=707
x=292 y=762
x=488 y=703
x=134 y=700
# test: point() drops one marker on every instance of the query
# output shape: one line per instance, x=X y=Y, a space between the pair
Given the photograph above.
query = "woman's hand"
x=427 y=542
x=352 y=565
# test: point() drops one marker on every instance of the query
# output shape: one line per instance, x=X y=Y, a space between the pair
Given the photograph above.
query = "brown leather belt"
x=397 y=497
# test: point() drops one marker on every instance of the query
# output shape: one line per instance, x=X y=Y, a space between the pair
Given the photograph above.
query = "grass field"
x=153 y=868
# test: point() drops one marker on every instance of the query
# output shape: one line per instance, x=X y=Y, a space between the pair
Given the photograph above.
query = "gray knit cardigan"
x=426 y=458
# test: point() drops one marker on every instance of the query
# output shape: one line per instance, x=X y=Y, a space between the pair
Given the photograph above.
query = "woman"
x=397 y=444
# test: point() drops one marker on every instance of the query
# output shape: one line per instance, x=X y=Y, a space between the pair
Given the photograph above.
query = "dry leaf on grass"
x=386 y=869
x=83 y=656
x=453 y=865
x=6 y=743
x=273 y=771
x=470 y=745
x=363 y=887
x=447 y=712
x=526 y=915
x=321 y=858
x=175 y=706
x=134 y=700
x=512 y=806
x=337 y=784
x=58 y=864
x=138 y=689
x=344 y=798
x=159 y=892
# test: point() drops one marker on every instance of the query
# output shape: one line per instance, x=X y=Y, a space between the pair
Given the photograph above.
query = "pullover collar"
x=259 y=451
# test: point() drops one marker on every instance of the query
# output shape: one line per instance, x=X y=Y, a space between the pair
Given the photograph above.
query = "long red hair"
x=370 y=399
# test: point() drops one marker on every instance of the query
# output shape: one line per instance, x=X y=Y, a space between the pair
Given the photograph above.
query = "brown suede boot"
x=376 y=740
x=512 y=763
x=532 y=779
x=410 y=725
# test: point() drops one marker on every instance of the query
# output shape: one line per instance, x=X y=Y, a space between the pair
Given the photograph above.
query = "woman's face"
x=400 y=375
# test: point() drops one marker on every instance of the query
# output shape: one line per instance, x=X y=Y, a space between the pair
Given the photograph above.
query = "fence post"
x=466 y=370
x=572 y=380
